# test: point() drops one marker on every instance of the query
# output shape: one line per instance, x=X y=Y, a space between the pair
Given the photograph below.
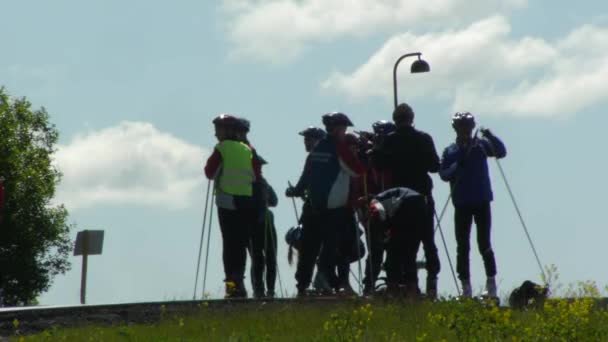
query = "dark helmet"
x=336 y=119
x=294 y=237
x=383 y=127
x=243 y=125
x=463 y=119
x=313 y=132
x=226 y=120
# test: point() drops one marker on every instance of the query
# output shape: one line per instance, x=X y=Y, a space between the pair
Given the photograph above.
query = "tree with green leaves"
x=34 y=232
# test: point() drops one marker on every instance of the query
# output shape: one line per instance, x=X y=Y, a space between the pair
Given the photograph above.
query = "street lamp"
x=419 y=65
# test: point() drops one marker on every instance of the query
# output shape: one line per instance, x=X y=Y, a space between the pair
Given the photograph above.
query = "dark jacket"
x=409 y=155
x=391 y=200
x=327 y=174
x=466 y=168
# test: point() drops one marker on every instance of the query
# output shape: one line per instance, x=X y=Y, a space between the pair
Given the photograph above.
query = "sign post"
x=88 y=242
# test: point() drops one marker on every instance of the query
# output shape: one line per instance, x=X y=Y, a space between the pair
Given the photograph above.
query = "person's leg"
x=311 y=246
x=374 y=260
x=348 y=250
x=256 y=247
x=394 y=255
x=415 y=221
x=224 y=218
x=234 y=253
x=463 y=219
x=328 y=256
x=431 y=254
x=271 y=255
x=483 y=221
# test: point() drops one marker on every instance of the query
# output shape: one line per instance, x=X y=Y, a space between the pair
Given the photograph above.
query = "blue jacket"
x=327 y=173
x=470 y=178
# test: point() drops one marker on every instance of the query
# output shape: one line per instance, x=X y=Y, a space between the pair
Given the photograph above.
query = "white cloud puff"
x=279 y=30
x=484 y=69
x=131 y=163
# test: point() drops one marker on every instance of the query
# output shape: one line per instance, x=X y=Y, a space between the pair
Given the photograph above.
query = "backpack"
x=528 y=295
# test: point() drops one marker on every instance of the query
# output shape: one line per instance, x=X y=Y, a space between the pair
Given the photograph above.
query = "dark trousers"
x=427 y=238
x=236 y=226
x=463 y=219
x=262 y=249
x=312 y=239
x=376 y=247
x=348 y=246
x=408 y=226
x=321 y=228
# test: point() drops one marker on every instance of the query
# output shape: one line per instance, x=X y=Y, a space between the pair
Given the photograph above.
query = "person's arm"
x=214 y=163
x=349 y=161
x=431 y=159
x=380 y=157
x=449 y=165
x=493 y=146
x=272 y=198
x=256 y=161
x=298 y=190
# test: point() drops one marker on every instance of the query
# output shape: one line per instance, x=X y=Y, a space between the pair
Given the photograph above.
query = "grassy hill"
x=580 y=319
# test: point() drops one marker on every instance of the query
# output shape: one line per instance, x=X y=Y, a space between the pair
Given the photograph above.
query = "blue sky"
x=132 y=87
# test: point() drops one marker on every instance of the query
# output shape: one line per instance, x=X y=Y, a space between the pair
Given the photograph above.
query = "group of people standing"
x=369 y=186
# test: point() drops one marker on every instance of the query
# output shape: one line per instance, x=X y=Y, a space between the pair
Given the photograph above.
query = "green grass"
x=359 y=320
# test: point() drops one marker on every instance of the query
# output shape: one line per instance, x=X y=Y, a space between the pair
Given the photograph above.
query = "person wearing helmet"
x=464 y=164
x=326 y=181
x=312 y=135
x=234 y=169
x=308 y=229
x=399 y=213
x=260 y=236
x=410 y=155
x=382 y=129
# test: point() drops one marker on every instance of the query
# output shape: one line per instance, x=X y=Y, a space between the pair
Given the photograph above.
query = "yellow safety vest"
x=237 y=175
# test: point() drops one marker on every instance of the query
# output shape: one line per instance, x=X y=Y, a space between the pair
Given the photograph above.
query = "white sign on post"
x=88 y=242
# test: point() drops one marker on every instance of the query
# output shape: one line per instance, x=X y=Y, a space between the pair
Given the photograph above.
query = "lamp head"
x=420 y=66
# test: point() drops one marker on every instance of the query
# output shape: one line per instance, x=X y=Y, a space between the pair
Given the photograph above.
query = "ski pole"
x=273 y=242
x=200 y=248
x=368 y=233
x=208 y=244
x=447 y=252
x=356 y=226
x=295 y=207
x=519 y=214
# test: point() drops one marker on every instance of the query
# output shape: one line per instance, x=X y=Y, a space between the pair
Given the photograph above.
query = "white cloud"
x=279 y=30
x=483 y=69
x=131 y=163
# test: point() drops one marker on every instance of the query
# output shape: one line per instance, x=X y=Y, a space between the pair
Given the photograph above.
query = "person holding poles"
x=464 y=165
x=310 y=237
x=233 y=167
x=410 y=156
x=326 y=180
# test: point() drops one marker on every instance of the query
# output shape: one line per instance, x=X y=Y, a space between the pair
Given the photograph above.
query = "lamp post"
x=418 y=66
